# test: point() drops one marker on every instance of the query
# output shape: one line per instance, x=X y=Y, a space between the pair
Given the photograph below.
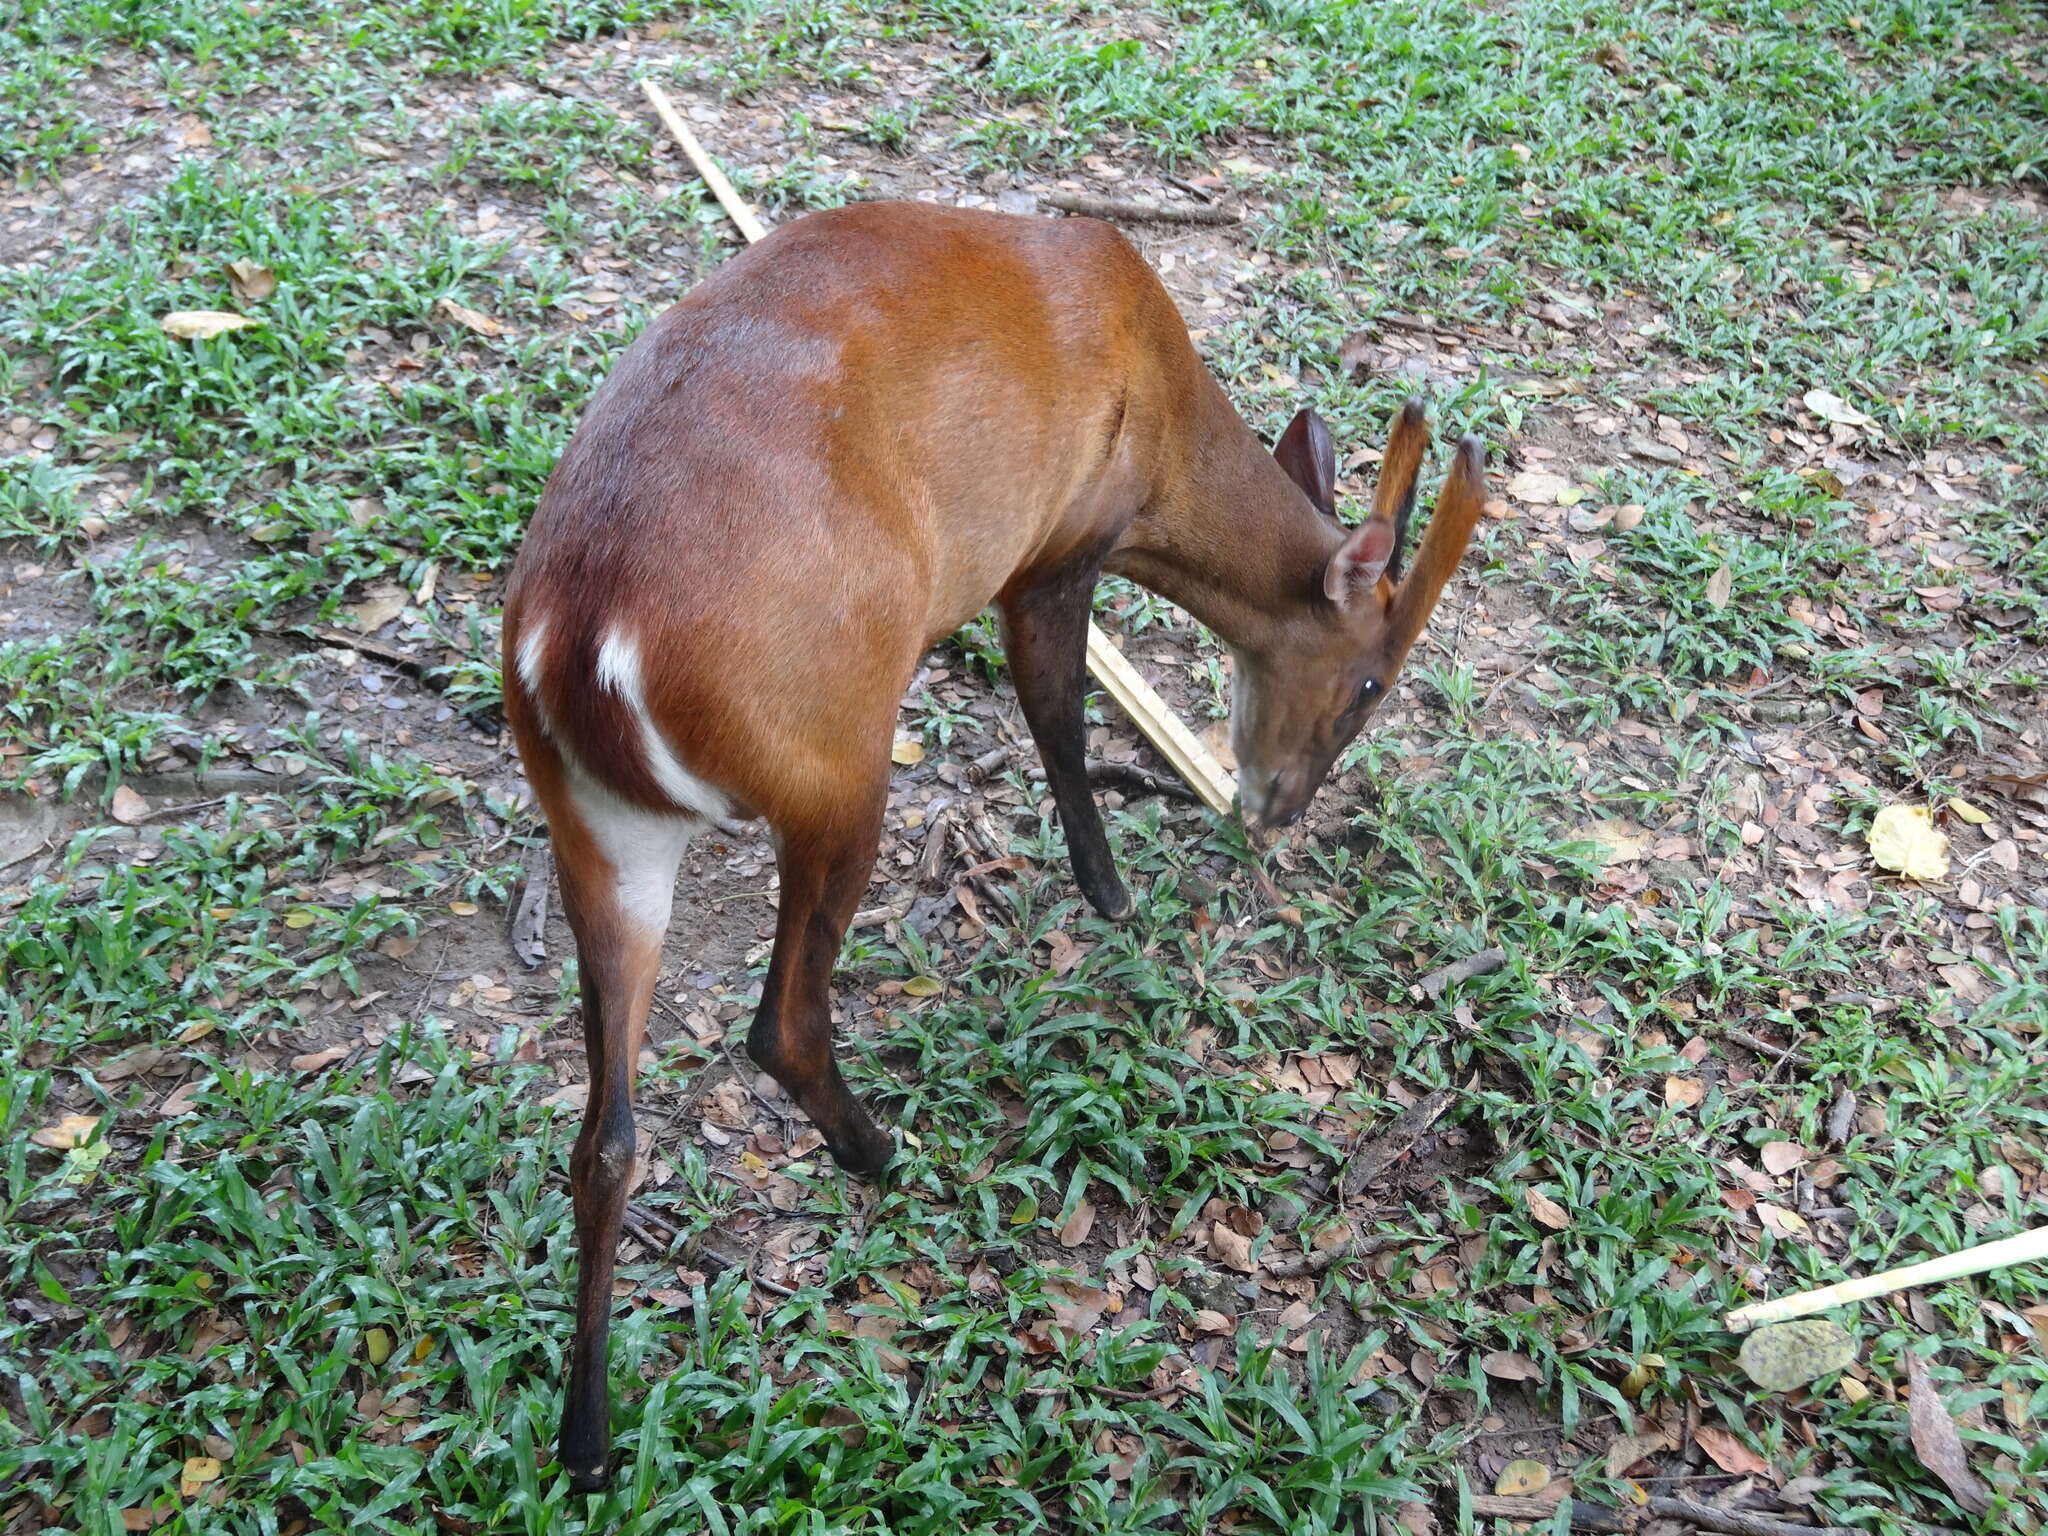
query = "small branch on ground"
x=1760 y=1045
x=391 y=656
x=1437 y=982
x=1388 y=1148
x=1328 y=1258
x=1138 y=213
x=1584 y=1516
x=530 y=921
x=1133 y=782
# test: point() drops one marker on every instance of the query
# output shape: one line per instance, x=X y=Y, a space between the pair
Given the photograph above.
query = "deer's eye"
x=1368 y=691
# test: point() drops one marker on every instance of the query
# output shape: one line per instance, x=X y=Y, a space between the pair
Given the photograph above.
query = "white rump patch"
x=643 y=848
x=532 y=653
x=618 y=668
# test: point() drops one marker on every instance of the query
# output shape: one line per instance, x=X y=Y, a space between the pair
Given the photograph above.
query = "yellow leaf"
x=908 y=749
x=462 y=908
x=462 y=314
x=377 y=1345
x=923 y=986
x=202 y=324
x=1683 y=1092
x=1522 y=1477
x=299 y=919
x=423 y=1348
x=1969 y=812
x=1789 y=1355
x=69 y=1131
x=1904 y=838
x=198 y=1471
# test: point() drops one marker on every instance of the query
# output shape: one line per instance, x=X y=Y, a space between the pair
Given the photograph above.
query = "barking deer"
x=835 y=451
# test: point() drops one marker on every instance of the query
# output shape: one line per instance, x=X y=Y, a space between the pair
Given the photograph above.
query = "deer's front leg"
x=1045 y=637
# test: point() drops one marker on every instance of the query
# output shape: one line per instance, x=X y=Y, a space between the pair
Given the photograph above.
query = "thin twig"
x=1133 y=782
x=762 y=1281
x=1760 y=1045
x=1138 y=213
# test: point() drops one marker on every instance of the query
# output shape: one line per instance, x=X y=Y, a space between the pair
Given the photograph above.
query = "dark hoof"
x=867 y=1158
x=590 y=1479
x=1114 y=904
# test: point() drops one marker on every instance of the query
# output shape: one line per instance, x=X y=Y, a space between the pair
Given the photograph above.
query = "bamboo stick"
x=2027 y=1247
x=735 y=207
x=1176 y=743
x=1119 y=679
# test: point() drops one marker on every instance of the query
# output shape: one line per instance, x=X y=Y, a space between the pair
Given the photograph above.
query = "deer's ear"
x=1360 y=560
x=1310 y=459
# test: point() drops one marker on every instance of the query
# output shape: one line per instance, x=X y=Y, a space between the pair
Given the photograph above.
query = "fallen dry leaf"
x=1078 y=1226
x=251 y=282
x=129 y=808
x=1904 y=838
x=1719 y=586
x=1781 y=1156
x=1521 y=1478
x=1624 y=842
x=380 y=605
x=1829 y=406
x=1683 y=1092
x=908 y=749
x=1509 y=1365
x=69 y=1131
x=1935 y=1440
x=1233 y=1250
x=1539 y=487
x=1076 y=1307
x=313 y=1061
x=1729 y=1453
x=1546 y=1210
x=203 y=324
x=476 y=320
x=197 y=1472
x=182 y=1100
x=1968 y=812
x=1788 y=1355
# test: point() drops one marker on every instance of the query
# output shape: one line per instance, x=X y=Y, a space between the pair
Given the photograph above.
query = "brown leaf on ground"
x=1078 y=1226
x=128 y=808
x=1076 y=1307
x=1683 y=1092
x=251 y=282
x=1935 y=1440
x=1233 y=1250
x=1781 y=1156
x=1546 y=1210
x=1729 y=1453
x=1508 y=1365
x=477 y=321
x=313 y=1061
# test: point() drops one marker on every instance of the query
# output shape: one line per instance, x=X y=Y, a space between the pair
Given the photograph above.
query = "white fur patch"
x=532 y=655
x=644 y=849
x=618 y=668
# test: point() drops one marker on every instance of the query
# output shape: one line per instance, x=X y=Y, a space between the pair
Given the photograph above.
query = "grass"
x=338 y=1291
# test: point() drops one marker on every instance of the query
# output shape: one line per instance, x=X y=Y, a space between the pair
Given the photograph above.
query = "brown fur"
x=836 y=450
